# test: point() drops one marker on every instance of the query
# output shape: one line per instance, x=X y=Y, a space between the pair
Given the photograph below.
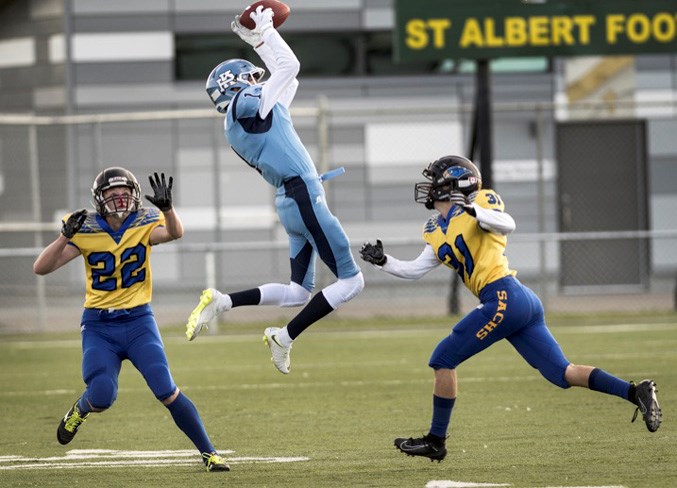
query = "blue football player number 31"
x=103 y=266
x=494 y=199
x=446 y=255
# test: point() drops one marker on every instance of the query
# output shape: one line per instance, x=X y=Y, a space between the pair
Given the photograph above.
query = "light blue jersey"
x=269 y=145
x=273 y=148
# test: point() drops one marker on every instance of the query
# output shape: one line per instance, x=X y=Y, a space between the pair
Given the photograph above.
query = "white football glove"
x=250 y=37
x=458 y=198
x=263 y=18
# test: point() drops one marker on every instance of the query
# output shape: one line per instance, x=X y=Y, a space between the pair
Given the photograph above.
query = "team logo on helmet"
x=225 y=79
x=228 y=79
x=446 y=175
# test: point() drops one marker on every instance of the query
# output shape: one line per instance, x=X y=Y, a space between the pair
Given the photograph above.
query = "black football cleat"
x=70 y=424
x=428 y=446
x=647 y=403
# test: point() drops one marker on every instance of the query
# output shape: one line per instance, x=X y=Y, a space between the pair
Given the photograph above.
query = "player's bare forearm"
x=173 y=224
x=172 y=230
x=54 y=256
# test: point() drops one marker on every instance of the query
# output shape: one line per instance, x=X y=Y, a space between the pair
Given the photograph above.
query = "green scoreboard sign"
x=429 y=30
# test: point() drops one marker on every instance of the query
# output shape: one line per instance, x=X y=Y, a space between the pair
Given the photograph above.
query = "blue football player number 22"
x=103 y=266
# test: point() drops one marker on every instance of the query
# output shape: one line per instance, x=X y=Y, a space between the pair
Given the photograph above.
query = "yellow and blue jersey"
x=460 y=243
x=117 y=263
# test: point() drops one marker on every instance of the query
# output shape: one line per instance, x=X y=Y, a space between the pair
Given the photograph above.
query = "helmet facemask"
x=116 y=205
x=229 y=78
x=446 y=175
x=119 y=205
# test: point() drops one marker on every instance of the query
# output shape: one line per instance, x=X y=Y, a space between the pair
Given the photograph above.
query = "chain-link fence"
x=233 y=239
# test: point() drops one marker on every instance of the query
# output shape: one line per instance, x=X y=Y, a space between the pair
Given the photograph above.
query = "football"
x=280 y=9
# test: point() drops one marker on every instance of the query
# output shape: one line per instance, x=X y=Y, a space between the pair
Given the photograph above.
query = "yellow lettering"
x=481 y=334
x=663 y=26
x=561 y=30
x=584 y=22
x=438 y=26
x=614 y=26
x=490 y=32
x=417 y=37
x=501 y=306
x=498 y=318
x=472 y=34
x=638 y=28
x=515 y=31
x=538 y=31
x=502 y=295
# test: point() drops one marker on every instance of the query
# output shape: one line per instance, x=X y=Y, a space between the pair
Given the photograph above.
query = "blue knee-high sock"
x=188 y=420
x=600 y=380
x=83 y=405
x=441 y=415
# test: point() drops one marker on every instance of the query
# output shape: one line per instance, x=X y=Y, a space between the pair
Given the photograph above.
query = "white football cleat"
x=279 y=353
x=203 y=314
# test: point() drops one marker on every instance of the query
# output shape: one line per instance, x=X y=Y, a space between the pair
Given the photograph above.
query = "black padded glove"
x=74 y=223
x=373 y=253
x=162 y=197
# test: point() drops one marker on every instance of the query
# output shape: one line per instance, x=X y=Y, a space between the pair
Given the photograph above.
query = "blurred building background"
x=128 y=89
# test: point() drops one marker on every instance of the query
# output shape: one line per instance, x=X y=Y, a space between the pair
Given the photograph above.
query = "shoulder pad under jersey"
x=489 y=199
x=432 y=223
x=247 y=102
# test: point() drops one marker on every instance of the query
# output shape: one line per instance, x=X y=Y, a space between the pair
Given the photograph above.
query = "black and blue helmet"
x=446 y=175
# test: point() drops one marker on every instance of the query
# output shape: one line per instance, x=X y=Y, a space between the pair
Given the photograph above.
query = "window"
x=330 y=54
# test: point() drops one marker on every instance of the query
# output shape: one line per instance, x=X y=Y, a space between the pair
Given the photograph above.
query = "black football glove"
x=373 y=253
x=74 y=223
x=162 y=198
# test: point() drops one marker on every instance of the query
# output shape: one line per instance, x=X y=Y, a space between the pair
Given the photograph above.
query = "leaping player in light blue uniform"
x=259 y=129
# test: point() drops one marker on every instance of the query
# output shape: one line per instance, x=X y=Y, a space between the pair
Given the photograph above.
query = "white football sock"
x=223 y=302
x=283 y=337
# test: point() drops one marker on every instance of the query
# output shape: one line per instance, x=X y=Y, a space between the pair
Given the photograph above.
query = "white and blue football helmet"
x=230 y=77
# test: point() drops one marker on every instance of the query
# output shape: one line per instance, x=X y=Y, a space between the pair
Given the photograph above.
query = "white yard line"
x=471 y=484
x=460 y=484
x=106 y=458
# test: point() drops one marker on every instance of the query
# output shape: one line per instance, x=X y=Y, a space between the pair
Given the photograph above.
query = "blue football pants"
x=509 y=310
x=108 y=338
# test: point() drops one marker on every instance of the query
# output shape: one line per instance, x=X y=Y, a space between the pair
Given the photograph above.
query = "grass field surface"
x=354 y=386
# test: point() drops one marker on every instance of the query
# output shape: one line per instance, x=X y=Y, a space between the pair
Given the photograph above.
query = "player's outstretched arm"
x=410 y=270
x=59 y=252
x=284 y=65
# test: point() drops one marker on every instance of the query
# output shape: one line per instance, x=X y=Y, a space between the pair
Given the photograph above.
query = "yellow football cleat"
x=202 y=315
x=214 y=462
